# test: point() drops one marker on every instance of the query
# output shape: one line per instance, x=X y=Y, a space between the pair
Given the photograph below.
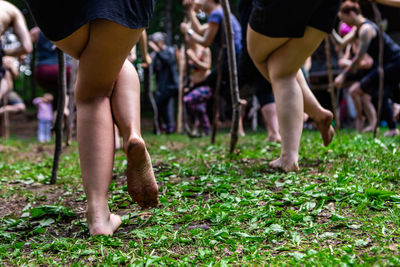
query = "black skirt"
x=60 y=18
x=289 y=18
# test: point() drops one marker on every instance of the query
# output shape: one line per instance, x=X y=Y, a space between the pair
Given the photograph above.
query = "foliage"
x=341 y=209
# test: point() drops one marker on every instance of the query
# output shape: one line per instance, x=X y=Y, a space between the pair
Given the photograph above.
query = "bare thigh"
x=101 y=47
x=286 y=55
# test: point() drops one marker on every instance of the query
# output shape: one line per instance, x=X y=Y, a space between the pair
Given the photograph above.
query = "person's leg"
x=279 y=60
x=321 y=116
x=125 y=102
x=396 y=111
x=100 y=62
x=171 y=126
x=356 y=94
x=41 y=131
x=370 y=111
x=47 y=130
x=269 y=115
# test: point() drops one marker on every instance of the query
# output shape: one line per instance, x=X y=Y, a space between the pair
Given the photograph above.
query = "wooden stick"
x=62 y=83
x=71 y=104
x=6 y=117
x=331 y=84
x=182 y=52
x=378 y=19
x=233 y=75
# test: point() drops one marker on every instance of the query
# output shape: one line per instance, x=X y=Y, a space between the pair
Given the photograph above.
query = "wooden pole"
x=233 y=75
x=378 y=19
x=6 y=117
x=331 y=84
x=62 y=84
x=182 y=52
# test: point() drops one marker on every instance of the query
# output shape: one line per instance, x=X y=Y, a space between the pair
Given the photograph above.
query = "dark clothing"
x=391 y=67
x=46 y=52
x=166 y=70
x=58 y=19
x=289 y=18
x=217 y=17
x=391 y=50
x=248 y=73
x=167 y=78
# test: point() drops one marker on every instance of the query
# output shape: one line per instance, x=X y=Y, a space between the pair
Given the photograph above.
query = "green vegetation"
x=341 y=209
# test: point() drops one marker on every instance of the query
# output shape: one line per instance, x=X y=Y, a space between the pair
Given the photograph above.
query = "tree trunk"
x=62 y=84
x=330 y=78
x=233 y=75
x=168 y=21
x=378 y=19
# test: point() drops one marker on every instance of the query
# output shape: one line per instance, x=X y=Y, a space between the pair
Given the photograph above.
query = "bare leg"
x=356 y=94
x=243 y=105
x=125 y=101
x=271 y=121
x=13 y=108
x=396 y=111
x=370 y=111
x=279 y=60
x=322 y=117
x=117 y=141
x=100 y=64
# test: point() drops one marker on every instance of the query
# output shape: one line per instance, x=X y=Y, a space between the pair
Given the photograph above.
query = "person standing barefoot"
x=107 y=90
x=281 y=36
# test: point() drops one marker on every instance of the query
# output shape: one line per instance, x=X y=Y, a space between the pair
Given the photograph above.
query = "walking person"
x=107 y=89
x=281 y=36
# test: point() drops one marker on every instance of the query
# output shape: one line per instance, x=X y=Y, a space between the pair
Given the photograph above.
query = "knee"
x=355 y=90
x=93 y=91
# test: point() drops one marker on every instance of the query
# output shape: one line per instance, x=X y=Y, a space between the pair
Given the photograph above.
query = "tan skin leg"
x=270 y=119
x=356 y=94
x=99 y=70
x=370 y=111
x=322 y=117
x=279 y=60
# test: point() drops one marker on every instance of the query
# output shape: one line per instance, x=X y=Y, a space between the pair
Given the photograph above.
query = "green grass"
x=341 y=209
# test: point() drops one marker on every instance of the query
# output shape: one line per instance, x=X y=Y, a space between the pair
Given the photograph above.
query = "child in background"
x=45 y=115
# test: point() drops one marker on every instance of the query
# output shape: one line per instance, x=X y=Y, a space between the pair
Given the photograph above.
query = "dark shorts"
x=12 y=99
x=289 y=18
x=60 y=18
x=370 y=83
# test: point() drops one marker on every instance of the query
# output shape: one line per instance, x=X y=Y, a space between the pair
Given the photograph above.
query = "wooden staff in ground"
x=232 y=75
x=62 y=79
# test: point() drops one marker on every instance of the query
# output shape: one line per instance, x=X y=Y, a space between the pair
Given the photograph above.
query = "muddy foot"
x=142 y=186
x=368 y=129
x=392 y=133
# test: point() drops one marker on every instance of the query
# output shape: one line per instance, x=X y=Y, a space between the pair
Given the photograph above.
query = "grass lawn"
x=341 y=209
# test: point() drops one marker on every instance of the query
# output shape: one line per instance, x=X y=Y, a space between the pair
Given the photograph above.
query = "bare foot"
x=103 y=226
x=325 y=128
x=360 y=124
x=274 y=138
x=396 y=112
x=289 y=166
x=392 y=133
x=142 y=186
x=368 y=129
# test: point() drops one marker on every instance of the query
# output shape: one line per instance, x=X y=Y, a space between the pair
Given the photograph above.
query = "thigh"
x=101 y=60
